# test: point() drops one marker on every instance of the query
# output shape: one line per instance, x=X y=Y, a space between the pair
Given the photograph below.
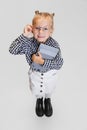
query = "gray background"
x=70 y=97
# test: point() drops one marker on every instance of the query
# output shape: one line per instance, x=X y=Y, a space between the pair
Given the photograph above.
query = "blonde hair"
x=45 y=15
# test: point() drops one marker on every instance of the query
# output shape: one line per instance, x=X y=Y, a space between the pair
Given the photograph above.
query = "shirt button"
x=42 y=74
x=41 y=91
x=41 y=82
x=41 y=85
x=38 y=70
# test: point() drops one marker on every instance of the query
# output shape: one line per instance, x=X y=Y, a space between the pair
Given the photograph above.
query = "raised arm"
x=20 y=45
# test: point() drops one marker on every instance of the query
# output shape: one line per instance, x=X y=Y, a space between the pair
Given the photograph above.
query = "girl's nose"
x=40 y=30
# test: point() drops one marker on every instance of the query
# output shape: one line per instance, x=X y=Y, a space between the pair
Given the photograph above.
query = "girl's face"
x=42 y=29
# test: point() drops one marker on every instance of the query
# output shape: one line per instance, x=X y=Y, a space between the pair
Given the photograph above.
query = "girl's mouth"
x=41 y=36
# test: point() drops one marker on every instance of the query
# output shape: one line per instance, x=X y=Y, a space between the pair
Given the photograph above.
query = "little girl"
x=43 y=79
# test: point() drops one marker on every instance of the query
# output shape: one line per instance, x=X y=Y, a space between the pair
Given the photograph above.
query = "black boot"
x=39 y=107
x=48 y=107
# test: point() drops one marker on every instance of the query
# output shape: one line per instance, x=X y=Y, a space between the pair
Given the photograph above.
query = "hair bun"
x=36 y=12
x=53 y=14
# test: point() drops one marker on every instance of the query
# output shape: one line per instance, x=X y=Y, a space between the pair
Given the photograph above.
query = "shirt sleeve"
x=19 y=45
x=55 y=63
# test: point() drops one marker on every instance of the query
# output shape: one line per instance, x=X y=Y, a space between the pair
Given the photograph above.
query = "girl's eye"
x=38 y=28
x=45 y=28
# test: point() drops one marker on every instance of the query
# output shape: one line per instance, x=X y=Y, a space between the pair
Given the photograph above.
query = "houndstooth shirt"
x=29 y=46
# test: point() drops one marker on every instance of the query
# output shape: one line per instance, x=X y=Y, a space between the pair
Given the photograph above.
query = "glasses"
x=41 y=28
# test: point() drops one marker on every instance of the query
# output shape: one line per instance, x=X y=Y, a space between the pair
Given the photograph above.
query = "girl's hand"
x=27 y=30
x=38 y=59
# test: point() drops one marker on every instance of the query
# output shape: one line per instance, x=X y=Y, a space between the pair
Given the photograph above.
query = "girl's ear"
x=51 y=31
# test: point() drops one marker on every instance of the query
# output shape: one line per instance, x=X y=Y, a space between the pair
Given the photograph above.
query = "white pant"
x=42 y=84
